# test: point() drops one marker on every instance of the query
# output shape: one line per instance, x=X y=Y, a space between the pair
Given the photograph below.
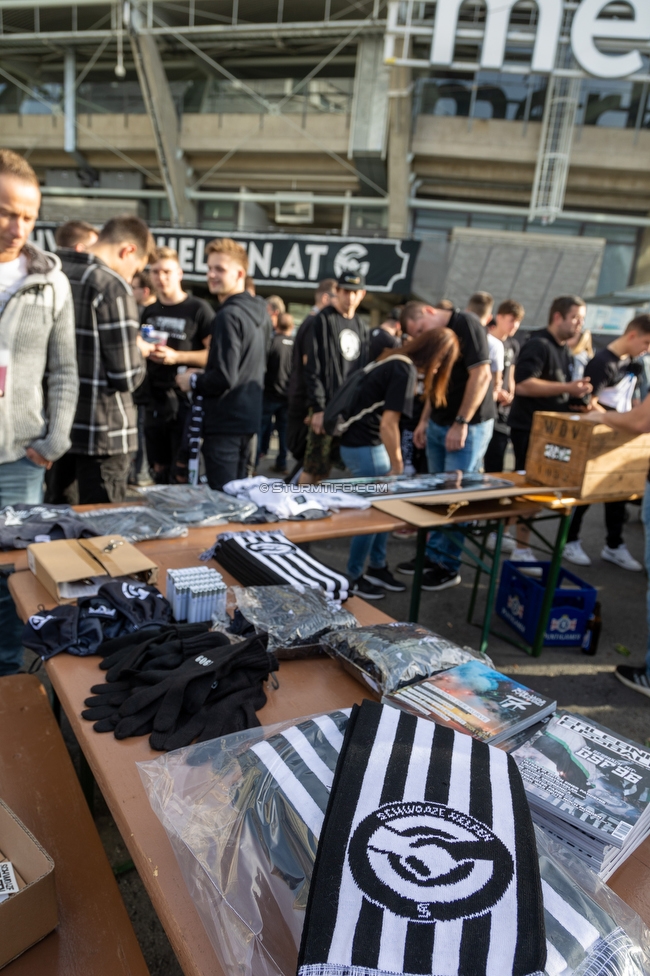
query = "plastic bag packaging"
x=386 y=657
x=243 y=814
x=291 y=619
x=196 y=504
x=590 y=931
x=20 y=525
x=135 y=522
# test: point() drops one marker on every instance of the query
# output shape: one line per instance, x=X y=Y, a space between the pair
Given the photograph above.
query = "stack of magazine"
x=588 y=787
x=475 y=699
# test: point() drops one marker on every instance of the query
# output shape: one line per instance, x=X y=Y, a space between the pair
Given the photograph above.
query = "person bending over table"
x=635 y=421
x=371 y=444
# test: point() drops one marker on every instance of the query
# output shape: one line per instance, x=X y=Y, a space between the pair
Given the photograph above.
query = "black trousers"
x=495 y=455
x=228 y=456
x=81 y=479
x=520 y=440
x=297 y=431
x=614 y=522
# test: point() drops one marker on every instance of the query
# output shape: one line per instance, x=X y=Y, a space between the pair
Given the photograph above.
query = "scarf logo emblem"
x=271 y=548
x=428 y=862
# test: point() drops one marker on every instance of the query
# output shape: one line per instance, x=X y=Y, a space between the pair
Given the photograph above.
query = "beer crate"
x=569 y=451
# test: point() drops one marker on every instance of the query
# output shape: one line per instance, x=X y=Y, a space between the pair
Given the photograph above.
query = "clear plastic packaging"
x=135 y=522
x=196 y=504
x=290 y=618
x=246 y=851
x=386 y=657
x=590 y=931
x=244 y=814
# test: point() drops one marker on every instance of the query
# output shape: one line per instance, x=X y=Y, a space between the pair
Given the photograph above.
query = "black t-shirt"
x=511 y=347
x=380 y=340
x=613 y=380
x=473 y=352
x=188 y=324
x=278 y=367
x=545 y=359
x=390 y=385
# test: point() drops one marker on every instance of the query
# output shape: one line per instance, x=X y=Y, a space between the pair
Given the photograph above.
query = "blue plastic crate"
x=519 y=603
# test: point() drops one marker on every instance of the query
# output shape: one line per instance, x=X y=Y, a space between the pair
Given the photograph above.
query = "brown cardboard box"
x=70 y=561
x=592 y=459
x=31 y=914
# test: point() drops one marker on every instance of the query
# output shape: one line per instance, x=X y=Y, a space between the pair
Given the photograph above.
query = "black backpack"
x=340 y=411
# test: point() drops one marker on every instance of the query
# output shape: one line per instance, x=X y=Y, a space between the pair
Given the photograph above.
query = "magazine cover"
x=475 y=699
x=581 y=771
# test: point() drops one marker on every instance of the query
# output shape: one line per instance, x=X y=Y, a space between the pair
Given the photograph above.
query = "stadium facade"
x=511 y=140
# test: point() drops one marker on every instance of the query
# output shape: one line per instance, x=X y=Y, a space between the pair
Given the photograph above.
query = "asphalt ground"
x=579 y=683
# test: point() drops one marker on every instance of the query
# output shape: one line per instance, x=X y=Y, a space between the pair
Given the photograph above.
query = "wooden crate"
x=569 y=451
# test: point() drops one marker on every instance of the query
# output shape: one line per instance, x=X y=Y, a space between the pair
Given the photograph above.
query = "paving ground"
x=580 y=683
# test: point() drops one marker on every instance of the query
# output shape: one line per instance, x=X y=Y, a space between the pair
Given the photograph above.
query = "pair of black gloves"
x=178 y=684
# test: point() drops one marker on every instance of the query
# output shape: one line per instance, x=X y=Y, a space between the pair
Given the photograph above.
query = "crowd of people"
x=105 y=359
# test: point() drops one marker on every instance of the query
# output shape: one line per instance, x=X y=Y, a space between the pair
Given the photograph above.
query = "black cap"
x=351 y=281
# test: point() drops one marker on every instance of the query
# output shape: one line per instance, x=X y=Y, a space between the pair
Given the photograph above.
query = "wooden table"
x=306 y=687
x=38 y=782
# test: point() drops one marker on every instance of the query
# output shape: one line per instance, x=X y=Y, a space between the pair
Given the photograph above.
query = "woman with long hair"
x=371 y=445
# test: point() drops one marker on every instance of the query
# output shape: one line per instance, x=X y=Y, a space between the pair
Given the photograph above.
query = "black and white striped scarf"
x=427 y=861
x=269 y=558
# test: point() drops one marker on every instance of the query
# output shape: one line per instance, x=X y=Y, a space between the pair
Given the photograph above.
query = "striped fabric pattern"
x=580 y=937
x=267 y=558
x=429 y=847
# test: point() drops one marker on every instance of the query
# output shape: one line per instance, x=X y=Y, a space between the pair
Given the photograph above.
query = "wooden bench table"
x=38 y=782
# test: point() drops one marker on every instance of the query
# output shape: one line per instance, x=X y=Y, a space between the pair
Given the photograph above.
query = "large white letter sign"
x=496 y=30
x=587 y=26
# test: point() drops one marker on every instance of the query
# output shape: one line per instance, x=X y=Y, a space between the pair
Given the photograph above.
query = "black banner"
x=296 y=261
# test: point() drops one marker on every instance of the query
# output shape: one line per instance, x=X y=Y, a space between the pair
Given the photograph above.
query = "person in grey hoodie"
x=37 y=340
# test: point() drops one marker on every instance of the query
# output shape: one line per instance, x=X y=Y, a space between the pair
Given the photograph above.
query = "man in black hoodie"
x=233 y=380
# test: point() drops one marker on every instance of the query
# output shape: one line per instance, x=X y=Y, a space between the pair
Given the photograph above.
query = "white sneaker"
x=622 y=557
x=508 y=544
x=523 y=556
x=574 y=553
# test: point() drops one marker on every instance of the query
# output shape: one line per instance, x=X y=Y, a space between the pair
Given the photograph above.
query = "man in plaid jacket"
x=110 y=361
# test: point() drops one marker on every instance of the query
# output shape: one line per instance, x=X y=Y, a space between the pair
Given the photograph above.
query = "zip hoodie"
x=233 y=381
x=37 y=329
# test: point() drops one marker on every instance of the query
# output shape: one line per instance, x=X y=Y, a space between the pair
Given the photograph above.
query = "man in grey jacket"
x=37 y=340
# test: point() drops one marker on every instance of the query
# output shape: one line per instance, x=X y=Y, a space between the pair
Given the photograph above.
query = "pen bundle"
x=196 y=593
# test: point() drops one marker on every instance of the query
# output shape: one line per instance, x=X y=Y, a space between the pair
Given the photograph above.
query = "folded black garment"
x=120 y=607
x=270 y=559
x=427 y=861
x=20 y=525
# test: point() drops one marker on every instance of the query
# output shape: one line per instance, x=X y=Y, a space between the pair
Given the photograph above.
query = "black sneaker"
x=366 y=589
x=635 y=678
x=382 y=577
x=439 y=579
x=408 y=569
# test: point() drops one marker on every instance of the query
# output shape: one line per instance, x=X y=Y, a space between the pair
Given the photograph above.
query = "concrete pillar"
x=162 y=112
x=399 y=149
x=69 y=102
x=642 y=270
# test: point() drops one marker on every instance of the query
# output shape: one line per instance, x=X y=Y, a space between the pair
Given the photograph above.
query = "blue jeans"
x=274 y=410
x=364 y=462
x=646 y=526
x=444 y=548
x=21 y=482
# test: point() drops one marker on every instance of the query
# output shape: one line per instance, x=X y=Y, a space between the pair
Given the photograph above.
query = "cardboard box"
x=592 y=459
x=61 y=564
x=31 y=914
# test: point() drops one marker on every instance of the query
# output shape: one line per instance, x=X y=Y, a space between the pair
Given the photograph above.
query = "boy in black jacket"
x=339 y=344
x=233 y=381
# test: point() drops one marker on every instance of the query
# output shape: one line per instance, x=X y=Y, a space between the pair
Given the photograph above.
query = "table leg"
x=416 y=592
x=551 y=583
x=477 y=575
x=492 y=588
